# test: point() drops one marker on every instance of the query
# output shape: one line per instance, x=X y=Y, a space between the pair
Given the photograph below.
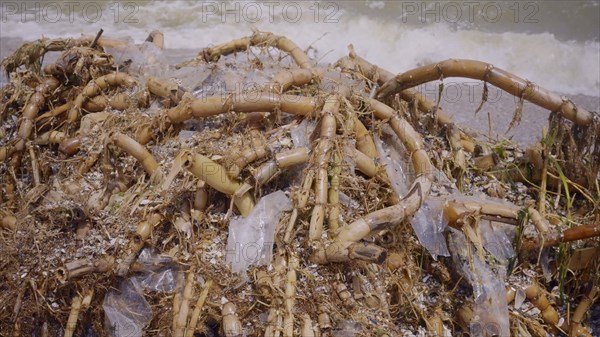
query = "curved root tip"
x=388 y=88
x=367 y=252
x=342 y=252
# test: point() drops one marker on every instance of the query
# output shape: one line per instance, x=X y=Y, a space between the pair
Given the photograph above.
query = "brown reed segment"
x=500 y=78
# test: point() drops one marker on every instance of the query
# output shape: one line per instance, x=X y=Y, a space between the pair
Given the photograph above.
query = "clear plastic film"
x=429 y=226
x=251 y=239
x=158 y=272
x=126 y=311
x=489 y=306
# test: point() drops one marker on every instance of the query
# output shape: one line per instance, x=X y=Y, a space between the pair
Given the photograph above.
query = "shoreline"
x=460 y=99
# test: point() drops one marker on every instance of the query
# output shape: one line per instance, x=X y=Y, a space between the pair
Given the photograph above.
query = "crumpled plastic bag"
x=159 y=272
x=394 y=158
x=251 y=239
x=429 y=226
x=126 y=310
x=427 y=221
x=347 y=329
x=301 y=133
x=490 y=307
x=498 y=241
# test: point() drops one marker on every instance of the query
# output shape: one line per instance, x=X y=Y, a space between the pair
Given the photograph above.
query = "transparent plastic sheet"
x=332 y=81
x=301 y=133
x=443 y=184
x=251 y=239
x=192 y=78
x=489 y=306
x=146 y=60
x=347 y=329
x=520 y=297
x=216 y=81
x=208 y=80
x=154 y=61
x=498 y=240
x=159 y=273
x=393 y=157
x=429 y=226
x=255 y=79
x=427 y=221
x=126 y=311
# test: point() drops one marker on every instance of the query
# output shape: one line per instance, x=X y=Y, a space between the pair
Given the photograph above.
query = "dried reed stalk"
x=502 y=79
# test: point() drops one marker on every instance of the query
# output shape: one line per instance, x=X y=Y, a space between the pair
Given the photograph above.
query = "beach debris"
x=254 y=191
x=127 y=311
x=251 y=239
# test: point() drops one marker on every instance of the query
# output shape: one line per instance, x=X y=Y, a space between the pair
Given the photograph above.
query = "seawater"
x=552 y=43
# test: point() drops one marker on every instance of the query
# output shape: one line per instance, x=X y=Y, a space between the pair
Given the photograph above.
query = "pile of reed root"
x=125 y=181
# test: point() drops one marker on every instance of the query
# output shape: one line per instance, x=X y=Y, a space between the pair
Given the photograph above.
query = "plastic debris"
x=490 y=307
x=347 y=329
x=255 y=79
x=429 y=226
x=126 y=310
x=147 y=60
x=158 y=272
x=427 y=222
x=301 y=133
x=392 y=155
x=211 y=82
x=190 y=77
x=332 y=81
x=250 y=240
x=519 y=298
x=498 y=240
